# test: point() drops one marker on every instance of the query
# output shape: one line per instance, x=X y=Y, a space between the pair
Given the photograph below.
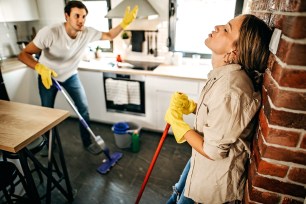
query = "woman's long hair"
x=253 y=48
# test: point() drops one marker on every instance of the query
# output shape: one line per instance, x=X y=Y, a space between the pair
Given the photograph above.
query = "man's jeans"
x=76 y=91
x=179 y=188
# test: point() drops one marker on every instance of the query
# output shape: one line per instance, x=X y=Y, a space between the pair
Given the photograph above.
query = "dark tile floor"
x=122 y=184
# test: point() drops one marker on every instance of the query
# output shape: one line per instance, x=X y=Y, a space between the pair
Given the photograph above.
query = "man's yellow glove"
x=174 y=117
x=180 y=100
x=45 y=74
x=129 y=16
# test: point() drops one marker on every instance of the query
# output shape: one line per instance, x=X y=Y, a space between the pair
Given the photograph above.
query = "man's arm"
x=26 y=57
x=128 y=18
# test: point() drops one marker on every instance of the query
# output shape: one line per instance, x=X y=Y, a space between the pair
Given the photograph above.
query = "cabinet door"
x=19 y=84
x=93 y=85
x=18 y=10
x=161 y=90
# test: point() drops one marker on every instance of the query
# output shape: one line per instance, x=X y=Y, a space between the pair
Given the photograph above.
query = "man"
x=62 y=47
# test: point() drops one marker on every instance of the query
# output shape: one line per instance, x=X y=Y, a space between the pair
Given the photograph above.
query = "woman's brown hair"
x=253 y=47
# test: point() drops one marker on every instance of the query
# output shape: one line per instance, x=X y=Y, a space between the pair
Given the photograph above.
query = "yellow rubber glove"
x=45 y=74
x=175 y=118
x=129 y=16
x=180 y=100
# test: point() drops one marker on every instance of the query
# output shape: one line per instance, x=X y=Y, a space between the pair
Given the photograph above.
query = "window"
x=190 y=22
x=97 y=11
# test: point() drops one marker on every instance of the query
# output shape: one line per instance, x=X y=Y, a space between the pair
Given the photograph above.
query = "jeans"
x=179 y=188
x=76 y=91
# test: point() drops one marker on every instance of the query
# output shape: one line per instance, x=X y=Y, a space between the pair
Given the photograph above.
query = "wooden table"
x=21 y=124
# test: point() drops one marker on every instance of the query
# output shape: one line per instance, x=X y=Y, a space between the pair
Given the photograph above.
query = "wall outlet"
x=275 y=40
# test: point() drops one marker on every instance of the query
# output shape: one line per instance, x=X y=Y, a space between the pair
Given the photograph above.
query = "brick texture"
x=281 y=117
x=303 y=143
x=281 y=154
x=291 y=53
x=291 y=6
x=287 y=200
x=294 y=26
x=295 y=175
x=267 y=168
x=281 y=98
x=278 y=161
x=286 y=77
x=254 y=193
x=280 y=137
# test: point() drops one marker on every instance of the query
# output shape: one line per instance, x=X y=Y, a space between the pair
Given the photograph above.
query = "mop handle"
x=58 y=86
x=153 y=162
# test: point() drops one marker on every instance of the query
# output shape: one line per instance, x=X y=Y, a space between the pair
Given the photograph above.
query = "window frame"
x=172 y=16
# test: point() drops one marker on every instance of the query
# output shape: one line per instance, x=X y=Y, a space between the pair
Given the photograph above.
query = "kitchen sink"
x=140 y=65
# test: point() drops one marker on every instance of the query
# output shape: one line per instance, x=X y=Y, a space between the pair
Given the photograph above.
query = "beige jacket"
x=224 y=117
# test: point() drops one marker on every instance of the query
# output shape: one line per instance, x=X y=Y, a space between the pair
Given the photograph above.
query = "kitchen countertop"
x=11 y=64
x=186 y=71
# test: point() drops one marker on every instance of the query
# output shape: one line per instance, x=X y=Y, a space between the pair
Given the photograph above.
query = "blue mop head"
x=108 y=163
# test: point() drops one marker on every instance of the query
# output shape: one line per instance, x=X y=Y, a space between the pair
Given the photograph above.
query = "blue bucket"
x=123 y=133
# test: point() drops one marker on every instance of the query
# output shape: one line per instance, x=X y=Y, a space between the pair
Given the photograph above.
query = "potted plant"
x=98 y=52
x=125 y=37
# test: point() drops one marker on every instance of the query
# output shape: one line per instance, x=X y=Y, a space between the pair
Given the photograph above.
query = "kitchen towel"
x=134 y=92
x=137 y=39
x=117 y=91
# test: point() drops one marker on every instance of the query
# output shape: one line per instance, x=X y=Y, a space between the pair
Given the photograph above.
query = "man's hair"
x=74 y=4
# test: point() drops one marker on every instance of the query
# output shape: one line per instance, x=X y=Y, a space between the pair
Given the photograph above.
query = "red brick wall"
x=277 y=172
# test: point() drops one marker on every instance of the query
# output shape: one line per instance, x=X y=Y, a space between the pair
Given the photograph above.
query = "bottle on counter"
x=135 y=142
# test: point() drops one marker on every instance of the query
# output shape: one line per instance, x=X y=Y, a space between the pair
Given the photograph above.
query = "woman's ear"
x=230 y=57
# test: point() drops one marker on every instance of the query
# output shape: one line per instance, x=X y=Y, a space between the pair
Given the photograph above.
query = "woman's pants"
x=179 y=188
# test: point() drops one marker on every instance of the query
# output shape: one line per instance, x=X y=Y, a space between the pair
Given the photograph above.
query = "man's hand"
x=45 y=74
x=129 y=16
x=174 y=117
x=180 y=100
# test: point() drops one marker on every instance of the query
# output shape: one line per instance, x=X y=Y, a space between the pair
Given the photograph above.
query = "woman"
x=225 y=114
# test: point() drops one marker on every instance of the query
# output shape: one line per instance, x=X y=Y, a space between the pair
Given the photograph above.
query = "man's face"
x=77 y=18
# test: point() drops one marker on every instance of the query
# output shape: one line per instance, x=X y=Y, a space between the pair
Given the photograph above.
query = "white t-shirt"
x=60 y=52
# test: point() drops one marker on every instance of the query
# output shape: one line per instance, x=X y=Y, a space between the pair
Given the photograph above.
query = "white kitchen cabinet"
x=93 y=85
x=159 y=95
x=21 y=85
x=18 y=10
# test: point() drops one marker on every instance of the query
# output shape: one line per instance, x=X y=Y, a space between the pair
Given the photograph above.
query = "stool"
x=8 y=174
x=35 y=147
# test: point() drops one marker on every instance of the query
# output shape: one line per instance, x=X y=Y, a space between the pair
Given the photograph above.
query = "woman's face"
x=221 y=40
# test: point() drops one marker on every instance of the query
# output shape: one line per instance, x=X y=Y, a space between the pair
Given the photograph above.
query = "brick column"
x=277 y=171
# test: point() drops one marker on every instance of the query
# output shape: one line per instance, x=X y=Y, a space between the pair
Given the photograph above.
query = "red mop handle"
x=162 y=139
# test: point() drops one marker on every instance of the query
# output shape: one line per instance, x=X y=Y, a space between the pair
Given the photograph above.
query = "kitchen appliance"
x=145 y=11
x=124 y=93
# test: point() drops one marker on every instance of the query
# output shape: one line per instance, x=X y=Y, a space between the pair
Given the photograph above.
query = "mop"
x=161 y=142
x=111 y=159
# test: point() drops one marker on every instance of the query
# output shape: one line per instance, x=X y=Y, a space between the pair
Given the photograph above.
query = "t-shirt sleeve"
x=43 y=38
